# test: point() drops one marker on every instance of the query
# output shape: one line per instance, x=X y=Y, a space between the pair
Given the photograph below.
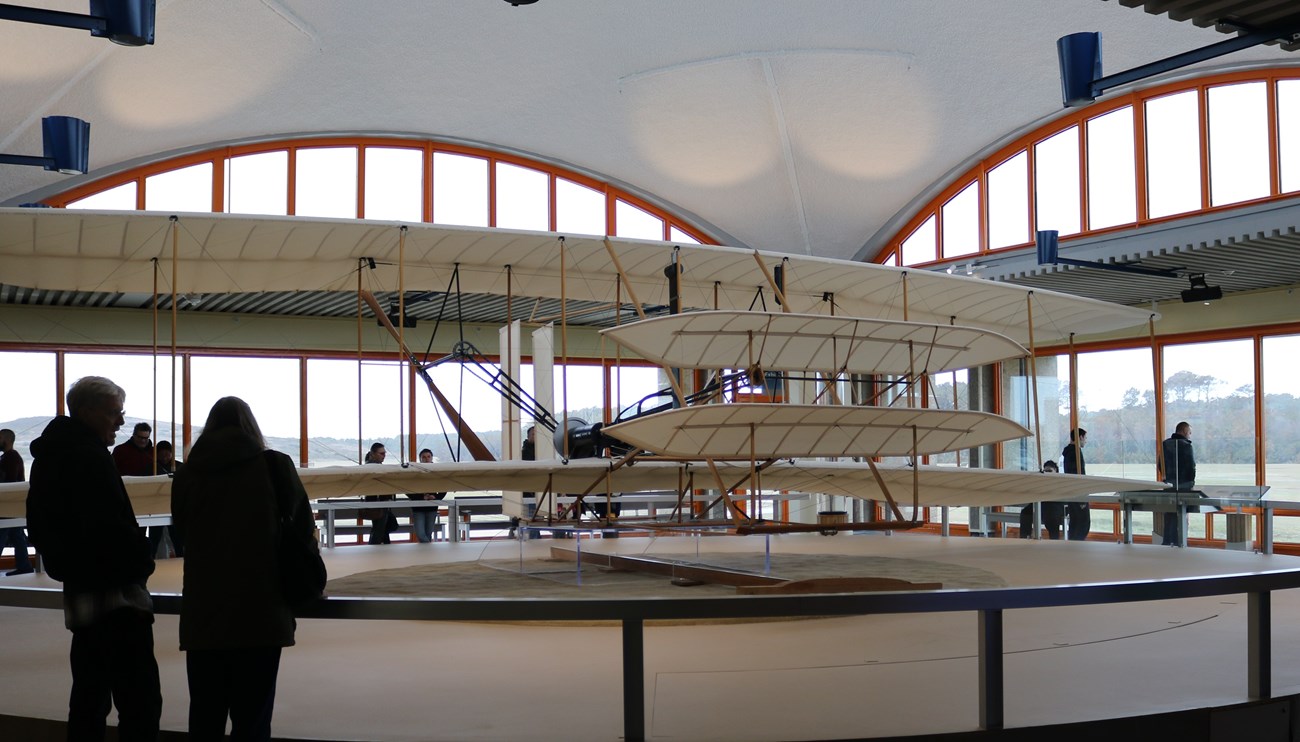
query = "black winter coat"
x=225 y=511
x=78 y=514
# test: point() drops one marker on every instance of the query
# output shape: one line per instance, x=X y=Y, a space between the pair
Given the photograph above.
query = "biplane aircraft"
x=836 y=319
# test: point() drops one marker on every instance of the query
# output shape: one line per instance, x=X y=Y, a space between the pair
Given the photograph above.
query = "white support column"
x=544 y=393
x=512 y=503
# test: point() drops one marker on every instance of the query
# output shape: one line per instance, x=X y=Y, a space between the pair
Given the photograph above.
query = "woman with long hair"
x=226 y=508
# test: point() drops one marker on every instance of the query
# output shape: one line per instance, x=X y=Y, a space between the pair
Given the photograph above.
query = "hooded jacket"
x=225 y=511
x=78 y=513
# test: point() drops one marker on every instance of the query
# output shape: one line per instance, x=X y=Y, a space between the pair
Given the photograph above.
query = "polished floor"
x=788 y=680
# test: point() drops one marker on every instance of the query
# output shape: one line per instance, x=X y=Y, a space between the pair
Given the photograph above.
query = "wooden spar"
x=880 y=482
x=472 y=442
x=916 y=477
x=511 y=446
x=564 y=350
x=736 y=485
x=1157 y=371
x=404 y=455
x=176 y=259
x=1033 y=376
x=911 y=374
x=753 y=475
x=155 y=349
x=771 y=281
x=618 y=266
x=378 y=312
x=604 y=477
x=1074 y=407
x=736 y=515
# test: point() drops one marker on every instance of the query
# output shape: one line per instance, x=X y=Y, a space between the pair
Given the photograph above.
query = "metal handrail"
x=989 y=603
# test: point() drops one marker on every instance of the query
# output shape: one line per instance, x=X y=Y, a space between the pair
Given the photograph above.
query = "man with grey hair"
x=11 y=470
x=81 y=521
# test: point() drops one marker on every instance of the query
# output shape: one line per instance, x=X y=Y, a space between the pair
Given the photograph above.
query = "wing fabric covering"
x=768 y=431
x=803 y=342
x=105 y=251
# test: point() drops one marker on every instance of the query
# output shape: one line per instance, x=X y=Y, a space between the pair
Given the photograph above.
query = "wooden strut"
x=736 y=515
x=576 y=505
x=176 y=259
x=472 y=442
x=1033 y=375
x=739 y=482
x=771 y=281
x=884 y=489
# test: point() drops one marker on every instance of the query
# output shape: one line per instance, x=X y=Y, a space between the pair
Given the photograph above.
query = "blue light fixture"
x=66 y=146
x=1079 y=55
x=126 y=22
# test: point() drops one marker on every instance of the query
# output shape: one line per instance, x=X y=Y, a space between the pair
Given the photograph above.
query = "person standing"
x=234 y=622
x=424 y=520
x=81 y=521
x=12 y=470
x=135 y=457
x=1053 y=513
x=1072 y=463
x=1180 y=471
x=382 y=520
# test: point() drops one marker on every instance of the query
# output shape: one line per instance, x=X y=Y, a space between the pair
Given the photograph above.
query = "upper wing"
x=79 y=250
x=799 y=342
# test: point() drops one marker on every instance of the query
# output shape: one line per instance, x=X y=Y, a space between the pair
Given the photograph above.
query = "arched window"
x=1152 y=155
x=391 y=179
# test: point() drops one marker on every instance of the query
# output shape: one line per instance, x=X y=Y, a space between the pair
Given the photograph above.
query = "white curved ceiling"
x=803 y=127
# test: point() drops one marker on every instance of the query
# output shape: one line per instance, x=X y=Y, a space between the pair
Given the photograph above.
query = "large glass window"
x=460 y=190
x=578 y=209
x=268 y=385
x=334 y=406
x=1212 y=386
x=1117 y=408
x=1239 y=169
x=1009 y=202
x=183 y=189
x=637 y=223
x=961 y=223
x=120 y=198
x=1173 y=139
x=523 y=198
x=1282 y=417
x=30 y=399
x=1288 y=133
x=258 y=184
x=921 y=245
x=680 y=237
x=325 y=182
x=1053 y=418
x=1112 y=179
x=949 y=391
x=1056 y=182
x=147 y=381
x=394 y=183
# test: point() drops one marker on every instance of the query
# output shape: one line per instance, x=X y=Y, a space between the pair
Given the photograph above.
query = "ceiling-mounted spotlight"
x=1199 y=291
x=125 y=22
x=66 y=143
x=517 y=3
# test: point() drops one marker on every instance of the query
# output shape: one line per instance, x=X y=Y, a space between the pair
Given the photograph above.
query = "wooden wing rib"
x=797 y=342
x=783 y=431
